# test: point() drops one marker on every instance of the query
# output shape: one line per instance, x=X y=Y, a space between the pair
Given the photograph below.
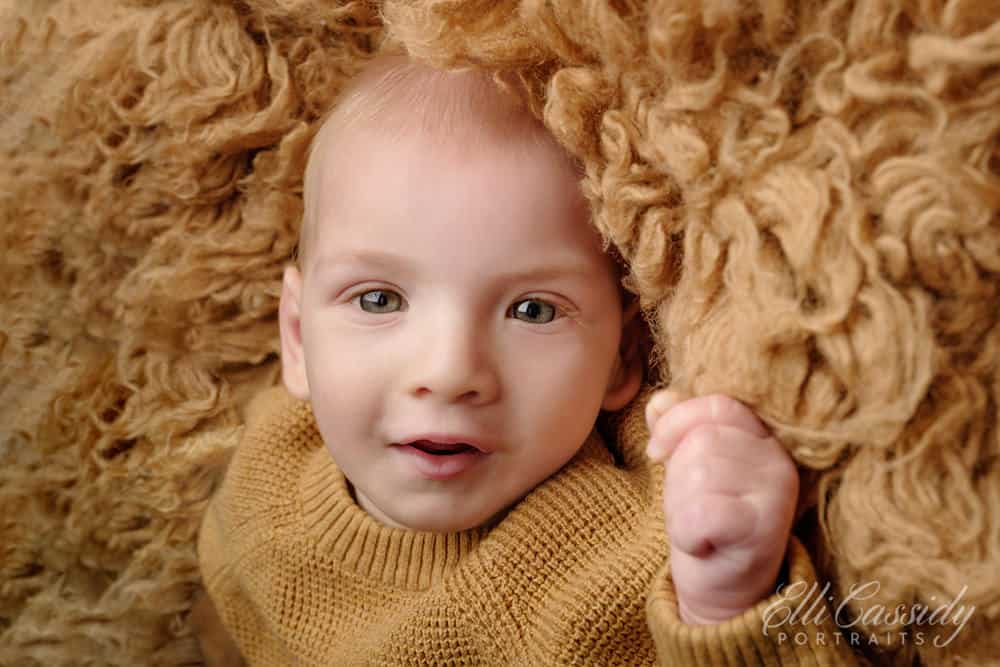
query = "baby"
x=428 y=487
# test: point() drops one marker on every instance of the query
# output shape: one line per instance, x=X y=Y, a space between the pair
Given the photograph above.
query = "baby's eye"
x=380 y=301
x=533 y=311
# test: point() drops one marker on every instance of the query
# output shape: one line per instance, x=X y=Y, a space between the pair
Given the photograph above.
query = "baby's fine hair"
x=397 y=96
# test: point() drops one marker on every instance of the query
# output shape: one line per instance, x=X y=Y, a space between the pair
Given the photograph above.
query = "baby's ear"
x=293 y=365
x=626 y=379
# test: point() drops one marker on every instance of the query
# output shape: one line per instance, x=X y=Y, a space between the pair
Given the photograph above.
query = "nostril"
x=456 y=385
x=469 y=395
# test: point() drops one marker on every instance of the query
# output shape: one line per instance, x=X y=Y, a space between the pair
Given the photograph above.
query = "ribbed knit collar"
x=346 y=535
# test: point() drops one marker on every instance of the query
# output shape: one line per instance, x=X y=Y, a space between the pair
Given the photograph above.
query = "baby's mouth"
x=442 y=458
x=441 y=448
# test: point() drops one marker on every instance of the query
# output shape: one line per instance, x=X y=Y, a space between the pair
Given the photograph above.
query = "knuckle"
x=700 y=440
x=721 y=406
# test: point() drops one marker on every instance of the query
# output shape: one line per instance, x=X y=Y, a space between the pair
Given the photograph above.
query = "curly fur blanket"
x=806 y=193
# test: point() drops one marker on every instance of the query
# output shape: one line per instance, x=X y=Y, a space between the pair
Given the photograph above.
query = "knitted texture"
x=575 y=573
x=805 y=193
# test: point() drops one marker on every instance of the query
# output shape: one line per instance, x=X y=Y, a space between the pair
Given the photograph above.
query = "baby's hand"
x=729 y=498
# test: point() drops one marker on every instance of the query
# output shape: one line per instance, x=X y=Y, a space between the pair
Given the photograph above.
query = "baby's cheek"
x=343 y=381
x=570 y=397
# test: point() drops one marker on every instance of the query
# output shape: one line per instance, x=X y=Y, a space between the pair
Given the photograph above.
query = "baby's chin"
x=431 y=520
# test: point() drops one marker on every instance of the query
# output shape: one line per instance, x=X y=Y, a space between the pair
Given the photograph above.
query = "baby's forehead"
x=344 y=154
x=397 y=98
x=339 y=153
x=398 y=102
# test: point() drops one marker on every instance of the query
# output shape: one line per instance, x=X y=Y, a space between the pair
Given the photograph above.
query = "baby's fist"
x=729 y=499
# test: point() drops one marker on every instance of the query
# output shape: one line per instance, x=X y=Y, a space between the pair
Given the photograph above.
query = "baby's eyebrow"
x=568 y=267
x=361 y=259
x=556 y=270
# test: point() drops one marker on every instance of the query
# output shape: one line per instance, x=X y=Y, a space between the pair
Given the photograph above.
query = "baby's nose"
x=457 y=365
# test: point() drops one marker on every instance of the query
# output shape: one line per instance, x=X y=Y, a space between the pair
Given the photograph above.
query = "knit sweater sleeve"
x=230 y=613
x=784 y=629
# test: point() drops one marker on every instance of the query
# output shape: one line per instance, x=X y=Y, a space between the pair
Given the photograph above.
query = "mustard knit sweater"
x=574 y=574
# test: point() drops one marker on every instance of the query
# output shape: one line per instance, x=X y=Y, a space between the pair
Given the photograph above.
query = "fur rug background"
x=807 y=193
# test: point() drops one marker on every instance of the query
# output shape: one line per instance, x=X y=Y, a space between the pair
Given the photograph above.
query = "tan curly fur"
x=806 y=194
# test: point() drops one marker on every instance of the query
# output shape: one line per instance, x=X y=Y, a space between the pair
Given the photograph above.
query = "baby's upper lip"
x=448 y=439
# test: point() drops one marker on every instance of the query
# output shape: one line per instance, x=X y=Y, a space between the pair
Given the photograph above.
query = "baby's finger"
x=659 y=403
x=715 y=409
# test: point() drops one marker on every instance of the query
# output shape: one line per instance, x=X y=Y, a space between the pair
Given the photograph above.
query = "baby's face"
x=460 y=326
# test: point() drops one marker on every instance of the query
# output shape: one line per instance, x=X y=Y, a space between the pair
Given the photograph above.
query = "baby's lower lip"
x=440 y=466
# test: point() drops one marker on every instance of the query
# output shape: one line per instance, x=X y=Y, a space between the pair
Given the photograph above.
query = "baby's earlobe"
x=624 y=384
